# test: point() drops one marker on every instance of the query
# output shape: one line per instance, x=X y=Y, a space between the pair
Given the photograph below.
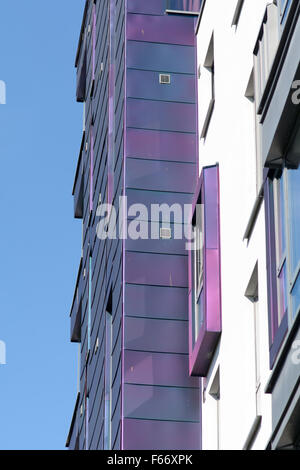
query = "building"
x=196 y=113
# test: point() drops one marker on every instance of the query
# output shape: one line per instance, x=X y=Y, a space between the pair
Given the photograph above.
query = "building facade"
x=186 y=301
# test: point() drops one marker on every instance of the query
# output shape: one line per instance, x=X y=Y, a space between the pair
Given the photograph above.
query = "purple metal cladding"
x=160 y=175
x=161 y=145
x=164 y=57
x=201 y=353
x=145 y=85
x=164 y=116
x=111 y=103
x=150 y=402
x=165 y=336
x=184 y=5
x=146 y=434
x=136 y=196
x=158 y=369
x=94 y=42
x=160 y=302
x=161 y=138
x=153 y=7
x=91 y=167
x=153 y=269
x=156 y=115
x=161 y=29
x=160 y=246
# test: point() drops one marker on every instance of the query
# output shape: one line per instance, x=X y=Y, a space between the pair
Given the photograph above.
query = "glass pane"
x=284 y=9
x=296 y=297
x=294 y=217
x=199 y=315
x=282 y=294
x=279 y=218
x=184 y=5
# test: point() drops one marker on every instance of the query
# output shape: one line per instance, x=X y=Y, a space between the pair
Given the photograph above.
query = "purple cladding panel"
x=156 y=269
x=157 y=145
x=156 y=302
x=153 y=402
x=162 y=29
x=153 y=7
x=111 y=103
x=145 y=434
x=158 y=369
x=161 y=403
x=160 y=115
x=202 y=350
x=160 y=175
x=145 y=85
x=165 y=336
x=192 y=6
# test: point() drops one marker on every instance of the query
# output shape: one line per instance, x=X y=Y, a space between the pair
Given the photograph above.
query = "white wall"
x=231 y=142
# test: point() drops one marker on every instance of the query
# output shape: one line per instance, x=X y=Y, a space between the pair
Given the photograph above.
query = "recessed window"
x=237 y=12
x=282 y=196
x=209 y=66
x=204 y=276
x=284 y=9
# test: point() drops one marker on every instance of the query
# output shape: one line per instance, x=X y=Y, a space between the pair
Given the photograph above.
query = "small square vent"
x=164 y=79
x=165 y=233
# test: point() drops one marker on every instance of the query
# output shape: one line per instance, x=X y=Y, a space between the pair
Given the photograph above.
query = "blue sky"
x=40 y=134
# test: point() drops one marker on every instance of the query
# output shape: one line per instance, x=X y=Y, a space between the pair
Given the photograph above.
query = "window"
x=282 y=196
x=108 y=377
x=284 y=9
x=209 y=76
x=184 y=6
x=252 y=294
x=204 y=276
x=215 y=393
x=237 y=12
x=198 y=260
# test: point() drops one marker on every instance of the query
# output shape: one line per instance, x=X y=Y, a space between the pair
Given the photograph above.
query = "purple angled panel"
x=161 y=29
x=111 y=103
x=202 y=351
x=159 y=435
x=161 y=145
x=94 y=32
x=91 y=183
x=159 y=115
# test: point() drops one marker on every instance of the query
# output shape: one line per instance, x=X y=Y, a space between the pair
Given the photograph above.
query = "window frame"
x=202 y=346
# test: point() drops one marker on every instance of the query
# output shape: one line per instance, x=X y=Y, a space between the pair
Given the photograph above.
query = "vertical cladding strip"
x=91 y=166
x=94 y=19
x=90 y=303
x=111 y=103
x=145 y=409
x=124 y=232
